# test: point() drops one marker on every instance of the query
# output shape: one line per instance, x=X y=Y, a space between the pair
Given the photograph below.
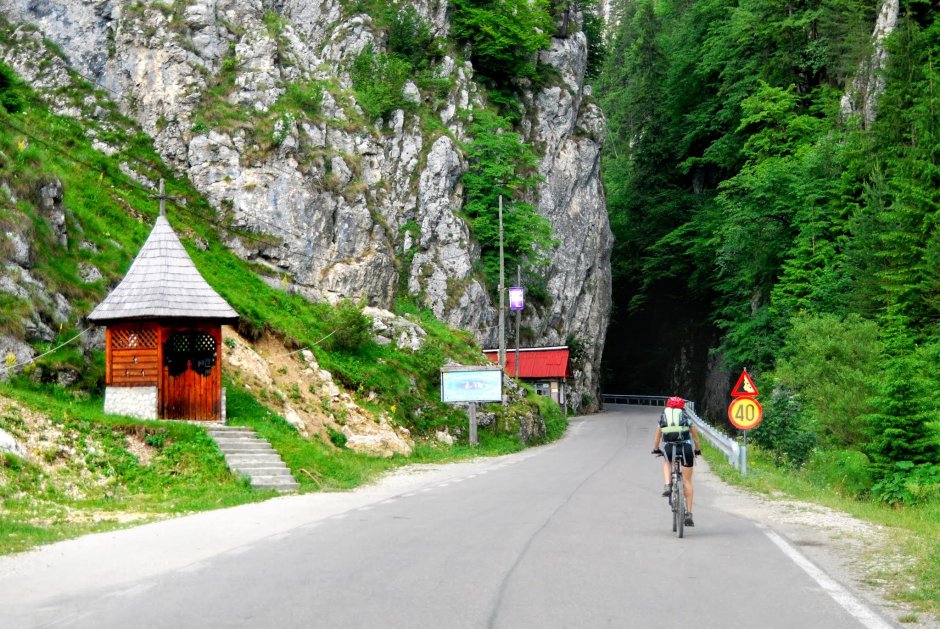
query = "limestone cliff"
x=347 y=206
x=861 y=97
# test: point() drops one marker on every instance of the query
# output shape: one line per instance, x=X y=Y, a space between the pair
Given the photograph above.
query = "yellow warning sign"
x=745 y=413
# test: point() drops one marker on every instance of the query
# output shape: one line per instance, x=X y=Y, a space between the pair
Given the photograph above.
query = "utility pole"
x=518 y=319
x=502 y=289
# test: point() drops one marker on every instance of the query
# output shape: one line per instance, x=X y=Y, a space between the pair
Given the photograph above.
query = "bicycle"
x=676 y=491
x=677 y=496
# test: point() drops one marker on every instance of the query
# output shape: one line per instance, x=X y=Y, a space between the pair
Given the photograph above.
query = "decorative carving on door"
x=190 y=350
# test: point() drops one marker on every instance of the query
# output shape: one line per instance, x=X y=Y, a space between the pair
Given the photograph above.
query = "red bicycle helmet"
x=675 y=402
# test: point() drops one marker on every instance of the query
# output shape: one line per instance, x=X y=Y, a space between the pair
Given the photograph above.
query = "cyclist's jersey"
x=675 y=426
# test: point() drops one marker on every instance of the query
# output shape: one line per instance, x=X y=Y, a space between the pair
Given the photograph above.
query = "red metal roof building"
x=546 y=367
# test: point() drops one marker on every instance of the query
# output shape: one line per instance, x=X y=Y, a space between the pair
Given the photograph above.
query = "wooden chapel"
x=163 y=336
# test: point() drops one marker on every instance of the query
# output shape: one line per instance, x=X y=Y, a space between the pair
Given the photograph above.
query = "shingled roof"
x=163 y=283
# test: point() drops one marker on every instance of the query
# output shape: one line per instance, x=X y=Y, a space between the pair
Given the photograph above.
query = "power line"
x=14 y=366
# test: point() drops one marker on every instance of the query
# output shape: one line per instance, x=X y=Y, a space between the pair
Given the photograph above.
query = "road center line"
x=838 y=593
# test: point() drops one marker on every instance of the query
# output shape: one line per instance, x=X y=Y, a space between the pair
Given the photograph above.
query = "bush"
x=10 y=98
x=410 y=37
x=500 y=164
x=308 y=97
x=504 y=35
x=337 y=438
x=351 y=328
x=909 y=484
x=847 y=471
x=556 y=423
x=831 y=362
x=379 y=82
x=785 y=433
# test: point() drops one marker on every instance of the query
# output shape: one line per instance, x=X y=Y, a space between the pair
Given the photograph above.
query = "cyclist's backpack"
x=674 y=425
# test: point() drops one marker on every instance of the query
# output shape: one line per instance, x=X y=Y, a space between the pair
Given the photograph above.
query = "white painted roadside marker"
x=839 y=594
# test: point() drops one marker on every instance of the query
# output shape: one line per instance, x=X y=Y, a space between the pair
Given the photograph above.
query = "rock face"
x=345 y=207
x=861 y=99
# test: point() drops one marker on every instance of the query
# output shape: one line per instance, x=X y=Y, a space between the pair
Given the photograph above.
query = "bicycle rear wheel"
x=673 y=499
x=679 y=526
x=673 y=502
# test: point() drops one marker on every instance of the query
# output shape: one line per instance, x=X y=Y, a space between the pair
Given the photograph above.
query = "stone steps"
x=246 y=453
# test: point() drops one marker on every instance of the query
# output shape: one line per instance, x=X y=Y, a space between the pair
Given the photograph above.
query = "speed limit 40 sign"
x=745 y=413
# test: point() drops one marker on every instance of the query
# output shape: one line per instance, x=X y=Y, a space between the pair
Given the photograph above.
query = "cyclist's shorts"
x=684 y=449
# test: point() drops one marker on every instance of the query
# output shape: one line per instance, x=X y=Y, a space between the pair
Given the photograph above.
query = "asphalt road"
x=573 y=534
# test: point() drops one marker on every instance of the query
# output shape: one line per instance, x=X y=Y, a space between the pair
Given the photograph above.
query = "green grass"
x=913 y=531
x=96 y=483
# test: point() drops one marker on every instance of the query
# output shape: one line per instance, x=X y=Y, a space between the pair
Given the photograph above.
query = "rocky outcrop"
x=344 y=207
x=861 y=99
x=47 y=309
x=316 y=405
x=571 y=128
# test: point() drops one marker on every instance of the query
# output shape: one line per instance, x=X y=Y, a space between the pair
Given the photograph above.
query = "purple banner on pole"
x=516 y=301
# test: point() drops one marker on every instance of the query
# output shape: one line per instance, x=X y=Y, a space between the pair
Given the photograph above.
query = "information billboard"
x=472 y=383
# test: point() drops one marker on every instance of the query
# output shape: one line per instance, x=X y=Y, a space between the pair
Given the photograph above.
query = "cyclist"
x=677 y=432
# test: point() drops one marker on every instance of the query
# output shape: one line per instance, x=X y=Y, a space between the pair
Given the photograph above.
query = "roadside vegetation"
x=762 y=222
x=89 y=472
x=909 y=565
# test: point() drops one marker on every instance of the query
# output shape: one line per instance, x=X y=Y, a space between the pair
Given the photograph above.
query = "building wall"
x=133 y=355
x=139 y=402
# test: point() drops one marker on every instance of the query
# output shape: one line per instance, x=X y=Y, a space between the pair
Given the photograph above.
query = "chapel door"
x=192 y=384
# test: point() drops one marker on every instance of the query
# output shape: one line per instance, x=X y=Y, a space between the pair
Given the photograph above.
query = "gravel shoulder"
x=855 y=553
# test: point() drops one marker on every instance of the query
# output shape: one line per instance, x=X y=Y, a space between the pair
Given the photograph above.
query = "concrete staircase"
x=247 y=453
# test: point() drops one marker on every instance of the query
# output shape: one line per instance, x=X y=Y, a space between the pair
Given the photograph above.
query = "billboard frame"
x=465 y=372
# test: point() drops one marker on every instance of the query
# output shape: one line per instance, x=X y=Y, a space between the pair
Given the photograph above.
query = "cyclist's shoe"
x=666 y=490
x=688 y=519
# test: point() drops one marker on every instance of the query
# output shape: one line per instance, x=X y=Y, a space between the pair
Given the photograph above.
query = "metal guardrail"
x=641 y=400
x=722 y=442
x=728 y=446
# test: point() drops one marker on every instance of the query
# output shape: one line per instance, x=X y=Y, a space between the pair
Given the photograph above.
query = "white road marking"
x=838 y=593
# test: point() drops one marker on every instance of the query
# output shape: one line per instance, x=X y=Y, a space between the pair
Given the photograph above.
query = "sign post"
x=745 y=412
x=470 y=384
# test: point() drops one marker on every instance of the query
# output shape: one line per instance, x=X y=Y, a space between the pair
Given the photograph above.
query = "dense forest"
x=766 y=218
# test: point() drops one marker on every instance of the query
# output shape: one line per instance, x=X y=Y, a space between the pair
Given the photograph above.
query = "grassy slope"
x=89 y=478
